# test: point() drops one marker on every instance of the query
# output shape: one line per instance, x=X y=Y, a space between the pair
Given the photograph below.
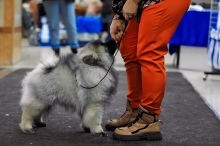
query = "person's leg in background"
x=69 y=18
x=157 y=25
x=41 y=13
x=106 y=20
x=53 y=16
x=26 y=23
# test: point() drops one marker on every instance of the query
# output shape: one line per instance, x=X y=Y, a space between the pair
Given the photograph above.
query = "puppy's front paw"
x=101 y=134
x=87 y=130
x=30 y=131
x=40 y=124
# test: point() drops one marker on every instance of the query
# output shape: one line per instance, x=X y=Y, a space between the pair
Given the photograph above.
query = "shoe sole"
x=150 y=137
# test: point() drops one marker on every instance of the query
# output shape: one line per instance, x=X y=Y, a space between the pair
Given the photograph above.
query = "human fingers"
x=129 y=16
x=120 y=33
x=113 y=35
x=113 y=31
x=119 y=36
x=130 y=9
x=116 y=28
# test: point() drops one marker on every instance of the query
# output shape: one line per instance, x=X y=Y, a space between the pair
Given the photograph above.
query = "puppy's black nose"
x=112 y=46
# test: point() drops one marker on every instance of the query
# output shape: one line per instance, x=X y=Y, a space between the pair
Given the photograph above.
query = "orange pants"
x=143 y=48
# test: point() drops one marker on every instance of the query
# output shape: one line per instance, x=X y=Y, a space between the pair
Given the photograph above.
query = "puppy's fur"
x=60 y=83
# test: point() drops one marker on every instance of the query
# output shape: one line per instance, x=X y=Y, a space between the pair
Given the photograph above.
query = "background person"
x=106 y=18
x=66 y=9
x=26 y=18
x=41 y=12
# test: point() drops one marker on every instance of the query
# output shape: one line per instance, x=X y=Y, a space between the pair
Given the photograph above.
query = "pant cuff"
x=57 y=46
x=134 y=104
x=74 y=45
x=152 y=110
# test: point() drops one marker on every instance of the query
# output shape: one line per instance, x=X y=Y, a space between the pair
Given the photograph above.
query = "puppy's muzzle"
x=110 y=45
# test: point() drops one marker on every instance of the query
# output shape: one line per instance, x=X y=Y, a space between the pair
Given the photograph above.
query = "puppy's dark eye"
x=90 y=60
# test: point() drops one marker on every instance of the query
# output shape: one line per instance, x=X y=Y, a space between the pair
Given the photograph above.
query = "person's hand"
x=117 y=29
x=130 y=9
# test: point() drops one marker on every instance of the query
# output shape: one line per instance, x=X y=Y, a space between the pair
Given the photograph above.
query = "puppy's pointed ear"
x=90 y=60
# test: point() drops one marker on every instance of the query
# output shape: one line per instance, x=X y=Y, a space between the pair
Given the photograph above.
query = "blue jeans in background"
x=65 y=10
x=106 y=20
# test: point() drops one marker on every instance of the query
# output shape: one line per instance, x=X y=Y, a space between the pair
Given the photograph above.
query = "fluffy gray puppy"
x=60 y=82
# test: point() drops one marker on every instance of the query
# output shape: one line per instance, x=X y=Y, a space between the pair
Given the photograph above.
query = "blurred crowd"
x=33 y=10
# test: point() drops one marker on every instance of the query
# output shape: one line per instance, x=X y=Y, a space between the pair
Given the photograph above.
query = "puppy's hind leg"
x=31 y=115
x=27 y=119
x=38 y=120
x=92 y=118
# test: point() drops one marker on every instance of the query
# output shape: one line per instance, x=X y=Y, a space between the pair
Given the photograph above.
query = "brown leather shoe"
x=128 y=117
x=145 y=127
